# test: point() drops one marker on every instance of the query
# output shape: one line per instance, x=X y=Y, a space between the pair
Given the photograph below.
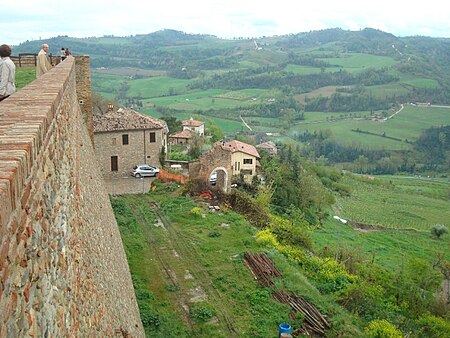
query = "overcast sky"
x=30 y=19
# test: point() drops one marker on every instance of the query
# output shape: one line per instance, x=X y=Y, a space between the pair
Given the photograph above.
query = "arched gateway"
x=217 y=159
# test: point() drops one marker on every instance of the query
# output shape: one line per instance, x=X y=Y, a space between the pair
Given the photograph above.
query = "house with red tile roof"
x=193 y=125
x=244 y=159
x=125 y=138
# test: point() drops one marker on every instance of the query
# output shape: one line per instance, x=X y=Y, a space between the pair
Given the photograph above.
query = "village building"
x=269 y=146
x=125 y=138
x=193 y=125
x=182 y=138
x=244 y=159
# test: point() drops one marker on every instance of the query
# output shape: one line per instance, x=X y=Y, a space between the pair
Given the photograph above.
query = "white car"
x=213 y=178
x=143 y=170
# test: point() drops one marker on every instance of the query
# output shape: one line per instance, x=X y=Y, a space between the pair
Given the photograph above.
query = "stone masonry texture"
x=63 y=270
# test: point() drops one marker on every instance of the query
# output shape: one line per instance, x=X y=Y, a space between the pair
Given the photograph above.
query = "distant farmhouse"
x=125 y=138
x=244 y=159
x=195 y=126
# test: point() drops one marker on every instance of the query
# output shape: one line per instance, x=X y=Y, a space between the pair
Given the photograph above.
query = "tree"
x=438 y=230
x=100 y=104
x=173 y=124
x=216 y=133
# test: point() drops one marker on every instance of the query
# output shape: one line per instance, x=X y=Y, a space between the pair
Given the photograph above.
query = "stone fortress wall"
x=63 y=270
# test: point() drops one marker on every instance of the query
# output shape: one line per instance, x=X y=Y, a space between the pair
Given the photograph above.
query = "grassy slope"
x=391 y=202
x=205 y=253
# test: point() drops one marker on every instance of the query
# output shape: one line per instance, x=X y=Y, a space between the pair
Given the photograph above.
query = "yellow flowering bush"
x=382 y=329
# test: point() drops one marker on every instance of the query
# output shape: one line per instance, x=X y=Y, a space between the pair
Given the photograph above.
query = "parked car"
x=213 y=178
x=143 y=170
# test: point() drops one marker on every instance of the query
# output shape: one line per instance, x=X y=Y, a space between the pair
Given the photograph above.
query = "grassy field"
x=24 y=75
x=420 y=82
x=157 y=86
x=107 y=84
x=323 y=91
x=382 y=91
x=204 y=100
x=355 y=62
x=408 y=124
x=407 y=206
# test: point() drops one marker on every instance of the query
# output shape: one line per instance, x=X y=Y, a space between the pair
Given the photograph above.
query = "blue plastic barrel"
x=284 y=328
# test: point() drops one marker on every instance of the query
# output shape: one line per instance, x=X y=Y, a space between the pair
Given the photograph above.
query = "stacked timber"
x=314 y=322
x=262 y=268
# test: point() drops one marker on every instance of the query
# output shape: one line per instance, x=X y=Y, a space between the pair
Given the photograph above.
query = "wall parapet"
x=63 y=270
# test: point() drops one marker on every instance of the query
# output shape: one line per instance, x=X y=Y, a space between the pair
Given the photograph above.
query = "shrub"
x=196 y=211
x=438 y=230
x=433 y=327
x=201 y=313
x=214 y=234
x=382 y=329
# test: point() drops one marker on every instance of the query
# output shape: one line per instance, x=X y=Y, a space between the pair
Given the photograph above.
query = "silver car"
x=143 y=170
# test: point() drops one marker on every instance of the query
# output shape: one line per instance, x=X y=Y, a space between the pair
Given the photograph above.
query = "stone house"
x=193 y=125
x=181 y=138
x=244 y=159
x=125 y=138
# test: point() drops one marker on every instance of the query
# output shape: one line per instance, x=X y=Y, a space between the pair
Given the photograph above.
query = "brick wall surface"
x=63 y=271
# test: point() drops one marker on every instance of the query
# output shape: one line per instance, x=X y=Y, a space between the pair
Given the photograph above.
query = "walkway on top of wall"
x=25 y=118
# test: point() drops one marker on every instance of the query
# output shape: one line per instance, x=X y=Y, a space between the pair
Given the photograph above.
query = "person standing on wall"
x=62 y=54
x=43 y=64
x=7 y=73
x=68 y=52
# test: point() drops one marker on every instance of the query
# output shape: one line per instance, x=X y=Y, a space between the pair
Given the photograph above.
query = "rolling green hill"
x=331 y=79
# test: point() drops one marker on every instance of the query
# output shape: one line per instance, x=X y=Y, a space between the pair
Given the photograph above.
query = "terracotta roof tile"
x=192 y=123
x=183 y=134
x=242 y=147
x=126 y=119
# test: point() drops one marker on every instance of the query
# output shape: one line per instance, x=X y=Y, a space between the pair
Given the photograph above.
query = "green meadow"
x=420 y=82
x=24 y=75
x=406 y=206
x=152 y=87
x=407 y=124
x=387 y=90
x=354 y=62
x=215 y=99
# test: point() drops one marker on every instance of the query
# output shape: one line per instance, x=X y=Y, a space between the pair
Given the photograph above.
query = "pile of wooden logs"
x=314 y=323
x=264 y=269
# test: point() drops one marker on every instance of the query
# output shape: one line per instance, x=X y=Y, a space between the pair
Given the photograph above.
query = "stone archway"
x=222 y=178
x=217 y=158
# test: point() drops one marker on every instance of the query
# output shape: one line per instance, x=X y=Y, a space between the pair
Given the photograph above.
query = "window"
x=152 y=137
x=114 y=163
x=237 y=166
x=248 y=161
x=114 y=141
x=246 y=172
x=125 y=139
